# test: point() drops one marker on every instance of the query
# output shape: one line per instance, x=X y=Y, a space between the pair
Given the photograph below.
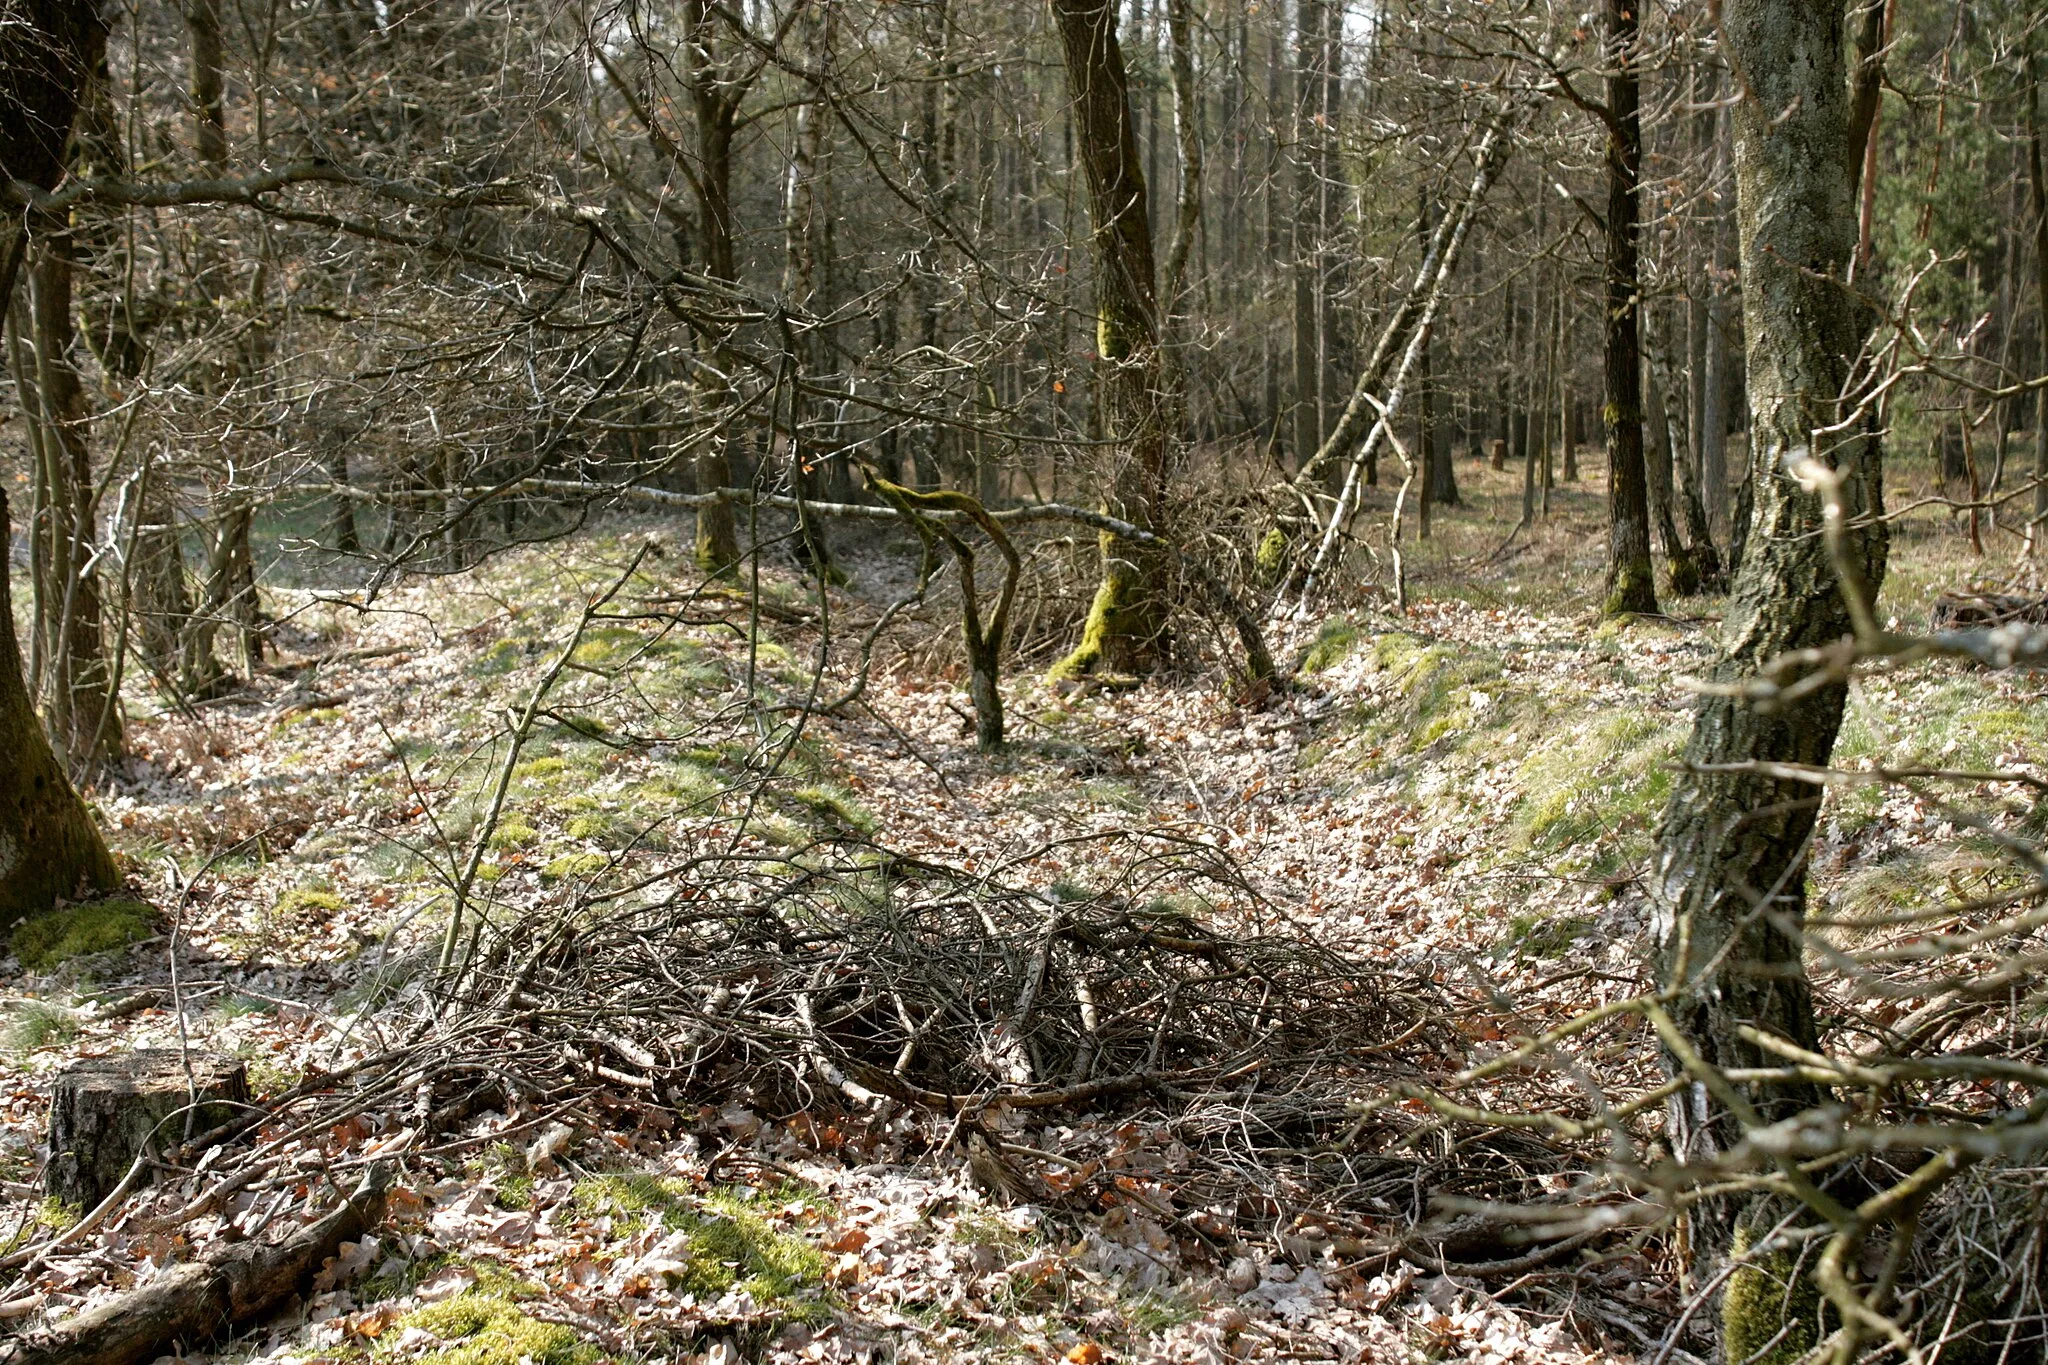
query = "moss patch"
x=1333 y=643
x=1270 y=557
x=308 y=901
x=727 y=1240
x=1770 y=1312
x=1595 y=790
x=837 y=805
x=513 y=834
x=45 y=941
x=484 y=1328
x=574 y=865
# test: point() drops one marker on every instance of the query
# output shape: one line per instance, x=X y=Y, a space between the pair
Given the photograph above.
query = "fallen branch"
x=202 y=1299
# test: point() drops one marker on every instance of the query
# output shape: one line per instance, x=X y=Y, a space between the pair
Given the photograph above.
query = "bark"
x=1188 y=133
x=49 y=845
x=1309 y=227
x=1731 y=865
x=80 y=707
x=203 y=34
x=2037 y=187
x=1631 y=582
x=1713 y=418
x=194 y=1302
x=715 y=97
x=1135 y=411
x=800 y=231
x=105 y=1111
x=1658 y=459
x=1440 y=482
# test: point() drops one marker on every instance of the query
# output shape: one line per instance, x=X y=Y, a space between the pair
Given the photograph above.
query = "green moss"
x=729 y=1242
x=55 y=1214
x=1771 y=1313
x=1333 y=643
x=1271 y=557
x=1598 y=787
x=574 y=866
x=541 y=769
x=1635 y=591
x=1117 y=618
x=485 y=1328
x=837 y=805
x=776 y=830
x=597 y=827
x=44 y=941
x=608 y=647
x=308 y=901
x=513 y=834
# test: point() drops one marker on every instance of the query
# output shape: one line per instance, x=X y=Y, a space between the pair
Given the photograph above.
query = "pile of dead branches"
x=869 y=978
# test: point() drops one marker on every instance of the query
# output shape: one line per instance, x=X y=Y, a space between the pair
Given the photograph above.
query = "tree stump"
x=1497 y=453
x=103 y=1109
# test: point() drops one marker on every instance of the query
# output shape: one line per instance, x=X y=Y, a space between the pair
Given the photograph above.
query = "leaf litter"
x=672 y=1179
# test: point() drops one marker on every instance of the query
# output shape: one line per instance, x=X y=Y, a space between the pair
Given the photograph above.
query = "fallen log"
x=202 y=1299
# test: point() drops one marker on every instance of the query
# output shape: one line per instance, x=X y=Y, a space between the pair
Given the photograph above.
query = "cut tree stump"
x=103 y=1109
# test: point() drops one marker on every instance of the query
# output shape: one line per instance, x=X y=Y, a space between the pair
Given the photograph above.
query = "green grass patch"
x=1595 y=789
x=31 y=1024
x=48 y=940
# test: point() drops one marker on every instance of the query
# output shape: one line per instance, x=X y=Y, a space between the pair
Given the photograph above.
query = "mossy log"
x=104 y=1109
x=189 y=1304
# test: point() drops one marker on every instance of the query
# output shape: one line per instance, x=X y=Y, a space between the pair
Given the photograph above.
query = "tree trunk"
x=1308 y=227
x=1713 y=418
x=1657 y=463
x=2038 y=191
x=49 y=846
x=1440 y=476
x=1135 y=410
x=77 y=684
x=1730 y=879
x=715 y=101
x=1631 y=581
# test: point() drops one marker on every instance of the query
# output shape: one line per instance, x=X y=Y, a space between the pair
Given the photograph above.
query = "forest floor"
x=1468 y=789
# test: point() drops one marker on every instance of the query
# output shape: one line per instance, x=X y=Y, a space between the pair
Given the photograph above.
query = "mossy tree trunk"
x=1731 y=865
x=49 y=846
x=1631 y=582
x=1135 y=408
